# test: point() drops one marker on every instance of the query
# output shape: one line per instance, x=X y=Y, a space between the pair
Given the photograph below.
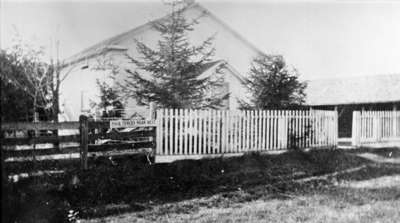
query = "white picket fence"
x=375 y=127
x=204 y=132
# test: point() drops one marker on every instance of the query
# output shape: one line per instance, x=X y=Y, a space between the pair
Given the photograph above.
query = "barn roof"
x=112 y=43
x=354 y=90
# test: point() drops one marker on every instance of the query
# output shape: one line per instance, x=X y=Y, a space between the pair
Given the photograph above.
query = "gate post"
x=355 y=129
x=83 y=131
x=159 y=132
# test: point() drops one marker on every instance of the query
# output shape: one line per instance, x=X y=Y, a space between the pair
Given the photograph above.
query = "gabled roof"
x=214 y=65
x=105 y=45
x=208 y=65
x=354 y=90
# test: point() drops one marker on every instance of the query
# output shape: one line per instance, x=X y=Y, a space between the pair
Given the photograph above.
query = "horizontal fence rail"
x=38 y=125
x=25 y=141
x=205 y=132
x=375 y=127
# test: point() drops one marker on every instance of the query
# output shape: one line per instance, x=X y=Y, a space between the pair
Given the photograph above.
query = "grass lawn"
x=254 y=187
x=339 y=199
x=304 y=208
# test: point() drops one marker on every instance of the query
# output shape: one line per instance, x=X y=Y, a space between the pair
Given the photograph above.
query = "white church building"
x=232 y=52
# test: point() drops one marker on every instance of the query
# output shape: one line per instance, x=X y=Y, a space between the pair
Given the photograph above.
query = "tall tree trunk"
x=35 y=119
x=55 y=102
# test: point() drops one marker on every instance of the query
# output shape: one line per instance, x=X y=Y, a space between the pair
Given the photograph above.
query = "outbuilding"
x=357 y=93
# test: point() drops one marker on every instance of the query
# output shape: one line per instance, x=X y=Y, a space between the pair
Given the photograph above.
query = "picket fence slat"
x=202 y=132
x=374 y=127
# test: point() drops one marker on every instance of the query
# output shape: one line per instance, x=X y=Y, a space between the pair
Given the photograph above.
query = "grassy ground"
x=331 y=207
x=250 y=188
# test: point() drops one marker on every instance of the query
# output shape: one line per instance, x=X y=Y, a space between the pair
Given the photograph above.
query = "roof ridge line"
x=353 y=77
x=232 y=31
x=116 y=37
x=96 y=47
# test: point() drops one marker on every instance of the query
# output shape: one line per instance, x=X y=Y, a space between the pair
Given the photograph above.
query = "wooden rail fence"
x=82 y=143
x=375 y=127
x=183 y=132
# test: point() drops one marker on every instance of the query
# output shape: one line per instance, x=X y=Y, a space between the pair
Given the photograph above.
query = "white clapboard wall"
x=375 y=127
x=186 y=132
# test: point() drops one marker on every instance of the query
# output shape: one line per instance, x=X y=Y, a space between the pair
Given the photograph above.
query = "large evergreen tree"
x=272 y=84
x=170 y=75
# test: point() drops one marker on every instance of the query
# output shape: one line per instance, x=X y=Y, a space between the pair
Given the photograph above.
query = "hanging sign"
x=132 y=123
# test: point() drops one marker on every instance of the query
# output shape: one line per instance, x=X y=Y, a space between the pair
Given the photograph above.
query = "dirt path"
x=326 y=176
x=375 y=183
x=387 y=181
x=379 y=159
x=379 y=182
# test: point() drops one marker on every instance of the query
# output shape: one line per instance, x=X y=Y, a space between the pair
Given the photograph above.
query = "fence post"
x=160 y=132
x=355 y=129
x=156 y=130
x=152 y=110
x=35 y=134
x=83 y=130
x=394 y=122
x=336 y=128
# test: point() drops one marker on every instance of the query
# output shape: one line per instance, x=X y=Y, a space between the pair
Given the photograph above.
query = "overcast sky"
x=332 y=38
